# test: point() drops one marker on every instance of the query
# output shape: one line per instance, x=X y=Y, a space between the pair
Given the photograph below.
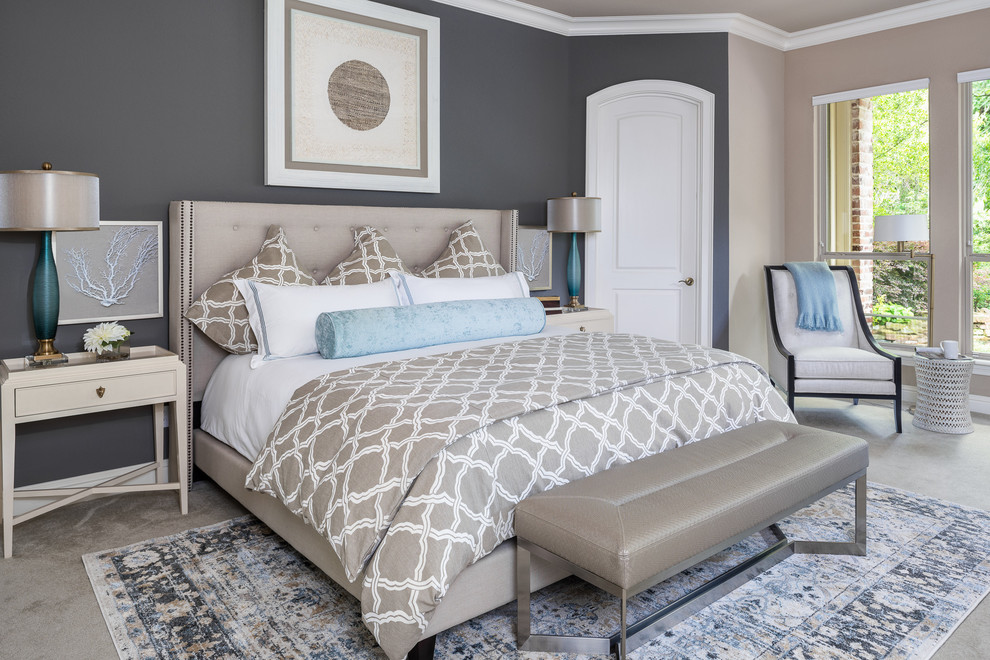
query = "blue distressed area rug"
x=236 y=590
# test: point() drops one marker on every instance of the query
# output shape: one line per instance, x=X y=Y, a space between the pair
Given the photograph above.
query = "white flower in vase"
x=105 y=337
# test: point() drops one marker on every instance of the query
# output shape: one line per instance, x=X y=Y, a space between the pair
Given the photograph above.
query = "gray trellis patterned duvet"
x=411 y=468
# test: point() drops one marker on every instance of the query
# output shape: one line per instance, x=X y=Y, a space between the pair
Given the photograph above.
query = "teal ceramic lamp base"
x=574 y=273
x=44 y=299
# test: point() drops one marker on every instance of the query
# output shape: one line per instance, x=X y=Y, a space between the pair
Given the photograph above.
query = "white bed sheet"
x=241 y=404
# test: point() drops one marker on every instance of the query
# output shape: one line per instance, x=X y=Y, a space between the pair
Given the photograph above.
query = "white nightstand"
x=152 y=376
x=587 y=320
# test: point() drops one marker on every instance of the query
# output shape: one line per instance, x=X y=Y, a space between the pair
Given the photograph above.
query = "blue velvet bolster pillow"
x=356 y=332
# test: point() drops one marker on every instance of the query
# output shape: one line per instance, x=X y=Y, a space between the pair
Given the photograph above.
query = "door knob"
x=687 y=280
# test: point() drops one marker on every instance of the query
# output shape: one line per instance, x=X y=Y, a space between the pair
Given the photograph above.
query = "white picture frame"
x=113 y=274
x=534 y=257
x=318 y=132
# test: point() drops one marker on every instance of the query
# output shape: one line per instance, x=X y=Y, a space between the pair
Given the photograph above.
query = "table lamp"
x=577 y=215
x=48 y=200
x=899 y=229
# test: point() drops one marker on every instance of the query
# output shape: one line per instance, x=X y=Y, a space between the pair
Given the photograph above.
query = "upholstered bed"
x=210 y=239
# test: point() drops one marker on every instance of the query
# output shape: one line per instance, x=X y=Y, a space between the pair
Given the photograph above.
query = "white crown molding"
x=885 y=20
x=517 y=12
x=737 y=24
x=754 y=30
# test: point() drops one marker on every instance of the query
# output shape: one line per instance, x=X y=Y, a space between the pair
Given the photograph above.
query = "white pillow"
x=283 y=318
x=418 y=290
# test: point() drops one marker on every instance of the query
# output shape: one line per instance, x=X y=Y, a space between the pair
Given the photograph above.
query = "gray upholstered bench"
x=635 y=525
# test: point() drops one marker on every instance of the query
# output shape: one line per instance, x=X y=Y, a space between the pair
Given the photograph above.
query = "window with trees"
x=874 y=162
x=976 y=133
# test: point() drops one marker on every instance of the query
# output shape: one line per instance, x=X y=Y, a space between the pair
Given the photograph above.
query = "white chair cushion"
x=841 y=362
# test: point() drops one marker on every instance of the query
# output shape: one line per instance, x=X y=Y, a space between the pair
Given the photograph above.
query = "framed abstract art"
x=113 y=274
x=352 y=96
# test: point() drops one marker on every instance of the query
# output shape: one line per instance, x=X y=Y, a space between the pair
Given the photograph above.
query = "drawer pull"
x=583 y=329
x=100 y=391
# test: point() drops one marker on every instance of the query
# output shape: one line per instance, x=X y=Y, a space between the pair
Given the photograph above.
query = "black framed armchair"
x=846 y=364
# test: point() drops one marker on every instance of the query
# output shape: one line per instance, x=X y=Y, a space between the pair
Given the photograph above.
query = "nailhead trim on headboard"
x=185 y=327
x=513 y=241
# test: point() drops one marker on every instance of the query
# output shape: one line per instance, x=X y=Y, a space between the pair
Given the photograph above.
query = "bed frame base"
x=424 y=649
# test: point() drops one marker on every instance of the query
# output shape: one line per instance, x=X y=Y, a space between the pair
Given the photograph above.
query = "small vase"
x=121 y=351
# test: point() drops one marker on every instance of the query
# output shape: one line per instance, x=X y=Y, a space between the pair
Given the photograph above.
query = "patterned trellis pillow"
x=372 y=258
x=464 y=256
x=220 y=312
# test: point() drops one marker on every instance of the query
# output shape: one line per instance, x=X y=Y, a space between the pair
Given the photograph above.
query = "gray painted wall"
x=164 y=100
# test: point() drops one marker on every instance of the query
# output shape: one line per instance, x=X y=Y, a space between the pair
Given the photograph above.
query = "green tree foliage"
x=903 y=283
x=900 y=186
x=900 y=153
x=981 y=166
x=981 y=208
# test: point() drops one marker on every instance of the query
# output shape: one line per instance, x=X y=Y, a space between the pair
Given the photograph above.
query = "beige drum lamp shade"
x=574 y=214
x=49 y=200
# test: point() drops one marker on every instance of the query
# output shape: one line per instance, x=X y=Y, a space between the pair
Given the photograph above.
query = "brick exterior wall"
x=862 y=195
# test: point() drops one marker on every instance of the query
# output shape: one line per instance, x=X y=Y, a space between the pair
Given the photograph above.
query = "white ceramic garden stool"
x=943 y=394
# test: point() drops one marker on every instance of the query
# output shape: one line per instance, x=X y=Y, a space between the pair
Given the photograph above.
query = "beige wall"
x=937 y=50
x=756 y=191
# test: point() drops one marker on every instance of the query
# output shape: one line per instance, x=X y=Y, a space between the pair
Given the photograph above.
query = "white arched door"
x=650 y=157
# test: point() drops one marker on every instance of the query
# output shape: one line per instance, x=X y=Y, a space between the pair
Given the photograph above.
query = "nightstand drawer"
x=588 y=320
x=93 y=393
x=598 y=325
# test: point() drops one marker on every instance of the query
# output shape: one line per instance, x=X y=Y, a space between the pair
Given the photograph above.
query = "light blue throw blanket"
x=818 y=307
x=357 y=332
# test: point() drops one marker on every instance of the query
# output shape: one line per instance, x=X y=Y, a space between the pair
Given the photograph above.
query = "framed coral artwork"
x=113 y=274
x=533 y=257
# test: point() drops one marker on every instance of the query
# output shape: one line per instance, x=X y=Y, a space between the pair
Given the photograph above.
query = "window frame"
x=970 y=258
x=821 y=105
